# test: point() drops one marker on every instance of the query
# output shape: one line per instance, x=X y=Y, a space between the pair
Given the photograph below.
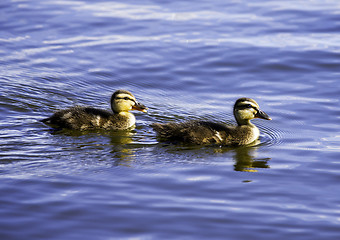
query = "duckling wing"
x=79 y=118
x=193 y=132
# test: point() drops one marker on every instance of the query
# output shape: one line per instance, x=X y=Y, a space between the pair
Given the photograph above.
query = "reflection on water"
x=119 y=141
x=245 y=157
x=246 y=161
x=121 y=153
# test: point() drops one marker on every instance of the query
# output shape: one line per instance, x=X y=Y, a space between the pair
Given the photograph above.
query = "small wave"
x=271 y=136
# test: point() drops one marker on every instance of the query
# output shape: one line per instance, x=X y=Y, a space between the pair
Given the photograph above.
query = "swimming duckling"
x=84 y=118
x=203 y=132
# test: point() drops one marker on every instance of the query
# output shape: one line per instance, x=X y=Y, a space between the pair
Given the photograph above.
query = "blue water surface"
x=183 y=60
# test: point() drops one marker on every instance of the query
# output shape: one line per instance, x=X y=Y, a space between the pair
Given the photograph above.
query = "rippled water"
x=184 y=60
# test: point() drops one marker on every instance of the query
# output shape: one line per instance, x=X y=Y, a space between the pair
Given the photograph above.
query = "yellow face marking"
x=251 y=104
x=123 y=102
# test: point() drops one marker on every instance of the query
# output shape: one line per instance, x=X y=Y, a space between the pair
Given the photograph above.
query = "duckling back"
x=198 y=133
x=84 y=118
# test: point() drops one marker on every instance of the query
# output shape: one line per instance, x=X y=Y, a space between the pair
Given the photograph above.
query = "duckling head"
x=124 y=101
x=246 y=109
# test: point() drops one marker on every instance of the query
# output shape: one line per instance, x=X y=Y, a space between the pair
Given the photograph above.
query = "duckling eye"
x=249 y=106
x=126 y=98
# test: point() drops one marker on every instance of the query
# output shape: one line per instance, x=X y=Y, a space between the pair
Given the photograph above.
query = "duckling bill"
x=205 y=133
x=85 y=118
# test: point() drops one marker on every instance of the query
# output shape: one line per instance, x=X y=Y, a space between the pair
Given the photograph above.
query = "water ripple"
x=183 y=61
x=271 y=136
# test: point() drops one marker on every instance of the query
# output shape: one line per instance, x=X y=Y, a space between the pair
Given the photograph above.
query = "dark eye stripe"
x=244 y=106
x=126 y=98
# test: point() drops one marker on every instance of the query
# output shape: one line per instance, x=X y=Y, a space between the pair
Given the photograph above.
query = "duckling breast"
x=123 y=120
x=244 y=135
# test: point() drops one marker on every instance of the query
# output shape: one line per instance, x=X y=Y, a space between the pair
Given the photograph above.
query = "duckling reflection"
x=122 y=154
x=246 y=161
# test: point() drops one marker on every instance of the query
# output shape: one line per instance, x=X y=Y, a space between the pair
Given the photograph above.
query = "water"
x=183 y=60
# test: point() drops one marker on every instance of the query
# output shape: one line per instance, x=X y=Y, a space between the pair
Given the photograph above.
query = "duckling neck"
x=244 y=122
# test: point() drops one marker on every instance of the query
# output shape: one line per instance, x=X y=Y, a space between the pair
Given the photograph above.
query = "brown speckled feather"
x=84 y=118
x=200 y=133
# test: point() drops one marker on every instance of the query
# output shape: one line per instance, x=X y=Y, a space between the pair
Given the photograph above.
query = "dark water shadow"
x=124 y=148
x=112 y=146
x=245 y=158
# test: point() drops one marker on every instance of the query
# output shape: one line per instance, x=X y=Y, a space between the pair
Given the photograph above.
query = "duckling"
x=85 y=118
x=204 y=132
